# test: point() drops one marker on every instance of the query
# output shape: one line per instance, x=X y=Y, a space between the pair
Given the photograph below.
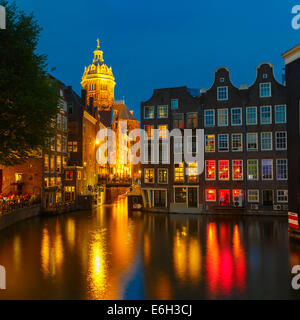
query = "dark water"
x=108 y=254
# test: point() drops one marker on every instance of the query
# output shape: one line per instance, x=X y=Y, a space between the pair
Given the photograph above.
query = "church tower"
x=99 y=82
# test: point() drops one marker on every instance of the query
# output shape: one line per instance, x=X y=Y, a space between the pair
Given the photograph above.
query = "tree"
x=28 y=97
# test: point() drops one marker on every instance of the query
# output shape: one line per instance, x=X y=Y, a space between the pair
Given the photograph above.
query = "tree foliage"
x=28 y=97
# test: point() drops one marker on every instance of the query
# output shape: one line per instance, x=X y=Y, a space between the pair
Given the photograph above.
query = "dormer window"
x=265 y=90
x=222 y=93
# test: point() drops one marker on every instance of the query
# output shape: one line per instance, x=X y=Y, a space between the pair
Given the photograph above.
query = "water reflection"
x=110 y=254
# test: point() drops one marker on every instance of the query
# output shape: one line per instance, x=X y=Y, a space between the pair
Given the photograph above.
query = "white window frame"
x=277 y=197
x=235 y=134
x=286 y=141
x=216 y=171
x=205 y=117
x=228 y=147
x=218 y=89
x=232 y=174
x=262 y=176
x=241 y=117
x=153 y=175
x=287 y=169
x=261 y=141
x=256 y=141
x=270 y=107
x=248 y=197
x=214 y=142
x=228 y=170
x=257 y=169
x=260 y=89
x=145 y=112
x=167 y=107
x=218 y=116
x=247 y=120
x=280 y=105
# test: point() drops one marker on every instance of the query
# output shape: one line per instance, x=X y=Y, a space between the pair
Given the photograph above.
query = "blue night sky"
x=163 y=43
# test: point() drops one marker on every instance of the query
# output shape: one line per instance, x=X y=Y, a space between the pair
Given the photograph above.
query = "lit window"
x=236 y=116
x=72 y=146
x=224 y=198
x=149 y=176
x=210 y=169
x=222 y=117
x=52 y=164
x=69 y=175
x=192 y=172
x=281 y=169
x=265 y=90
x=210 y=143
x=266 y=141
x=223 y=144
x=79 y=175
x=149 y=131
x=252 y=169
x=58 y=143
x=280 y=114
x=251 y=115
x=237 y=169
x=267 y=169
x=237 y=142
x=266 y=115
x=46 y=163
x=282 y=196
x=178 y=120
x=174 y=104
x=46 y=182
x=211 y=195
x=209 y=118
x=179 y=172
x=180 y=195
x=192 y=120
x=281 y=140
x=223 y=169
x=252 y=143
x=191 y=144
x=222 y=93
x=162 y=111
x=162 y=175
x=253 y=195
x=58 y=164
x=149 y=112
x=162 y=129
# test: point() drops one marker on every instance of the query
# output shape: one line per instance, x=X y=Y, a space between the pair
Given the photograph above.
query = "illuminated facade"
x=98 y=82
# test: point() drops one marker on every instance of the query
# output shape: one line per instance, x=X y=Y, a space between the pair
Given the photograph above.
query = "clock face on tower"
x=99 y=82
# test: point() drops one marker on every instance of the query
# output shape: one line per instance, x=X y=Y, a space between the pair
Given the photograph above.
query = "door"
x=267 y=197
x=192 y=197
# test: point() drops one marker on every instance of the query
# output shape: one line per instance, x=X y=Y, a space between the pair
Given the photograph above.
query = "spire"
x=98 y=54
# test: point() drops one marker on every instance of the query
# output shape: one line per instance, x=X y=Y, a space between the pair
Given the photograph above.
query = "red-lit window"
x=237 y=169
x=224 y=197
x=223 y=169
x=211 y=194
x=210 y=170
x=69 y=175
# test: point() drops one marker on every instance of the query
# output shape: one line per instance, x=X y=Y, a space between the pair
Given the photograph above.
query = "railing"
x=61 y=207
x=10 y=205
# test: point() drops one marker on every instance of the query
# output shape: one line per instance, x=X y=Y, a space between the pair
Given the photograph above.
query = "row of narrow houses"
x=245 y=146
x=66 y=170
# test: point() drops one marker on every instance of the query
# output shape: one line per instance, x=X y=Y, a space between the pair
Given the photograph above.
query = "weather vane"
x=98 y=43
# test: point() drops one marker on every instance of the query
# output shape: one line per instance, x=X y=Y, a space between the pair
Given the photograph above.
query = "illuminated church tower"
x=99 y=82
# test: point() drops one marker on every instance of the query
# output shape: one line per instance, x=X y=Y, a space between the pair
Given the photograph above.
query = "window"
x=78 y=175
x=178 y=148
x=280 y=114
x=58 y=143
x=162 y=175
x=281 y=169
x=149 y=176
x=58 y=164
x=251 y=115
x=191 y=145
x=223 y=169
x=252 y=141
x=281 y=140
x=267 y=169
x=52 y=164
x=149 y=131
x=236 y=116
x=253 y=195
x=265 y=76
x=211 y=195
x=222 y=117
x=266 y=115
x=174 y=104
x=180 y=195
x=282 y=196
x=252 y=169
x=265 y=90
x=46 y=163
x=178 y=120
x=210 y=143
x=209 y=118
x=222 y=93
x=192 y=172
x=162 y=130
x=210 y=170
x=192 y=120
x=149 y=112
x=72 y=146
x=162 y=111
x=237 y=169
x=223 y=142
x=266 y=141
x=224 y=198
x=69 y=175
x=237 y=142
x=179 y=172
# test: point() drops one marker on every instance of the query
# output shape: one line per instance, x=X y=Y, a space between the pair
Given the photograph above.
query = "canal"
x=110 y=254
